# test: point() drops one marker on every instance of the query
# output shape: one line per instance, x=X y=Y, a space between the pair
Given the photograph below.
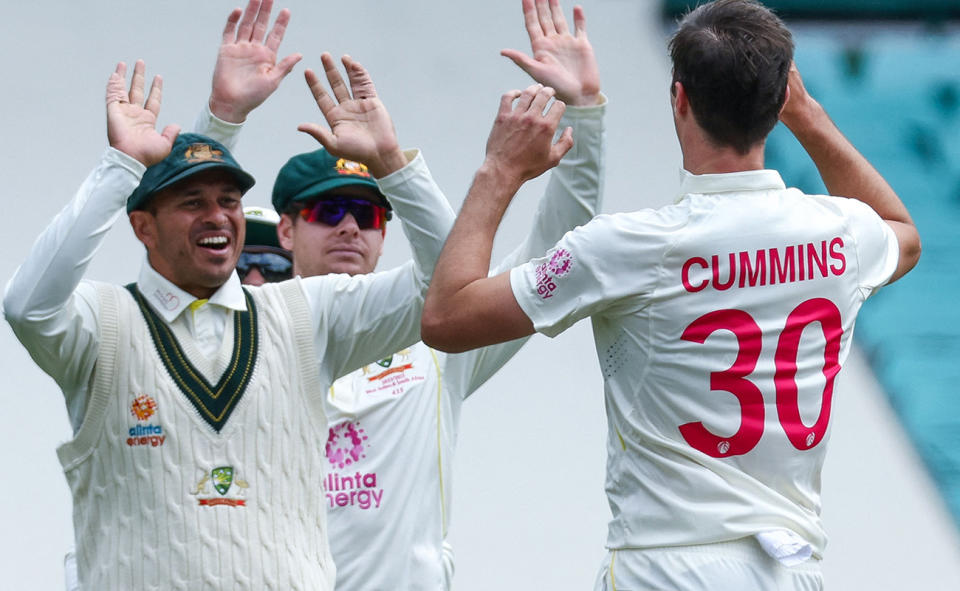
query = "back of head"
x=733 y=58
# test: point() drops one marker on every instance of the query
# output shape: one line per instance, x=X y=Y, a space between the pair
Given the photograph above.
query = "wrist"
x=388 y=163
x=227 y=110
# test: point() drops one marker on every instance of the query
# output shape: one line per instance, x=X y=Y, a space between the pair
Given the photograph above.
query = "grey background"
x=529 y=509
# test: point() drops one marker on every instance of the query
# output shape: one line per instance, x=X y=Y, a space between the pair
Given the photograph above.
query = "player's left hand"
x=561 y=60
x=247 y=71
x=360 y=126
x=521 y=146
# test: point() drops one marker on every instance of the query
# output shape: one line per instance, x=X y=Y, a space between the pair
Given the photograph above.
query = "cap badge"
x=202 y=153
x=345 y=166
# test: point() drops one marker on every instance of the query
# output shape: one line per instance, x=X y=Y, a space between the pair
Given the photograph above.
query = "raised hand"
x=247 y=71
x=521 y=146
x=131 y=122
x=561 y=60
x=360 y=126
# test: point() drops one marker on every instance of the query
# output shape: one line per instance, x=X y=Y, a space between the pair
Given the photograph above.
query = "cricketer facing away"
x=721 y=322
x=197 y=404
x=393 y=423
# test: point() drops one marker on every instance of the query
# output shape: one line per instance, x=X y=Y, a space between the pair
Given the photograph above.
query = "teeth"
x=213 y=241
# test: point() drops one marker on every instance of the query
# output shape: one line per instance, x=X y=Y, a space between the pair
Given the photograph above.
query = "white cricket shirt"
x=720 y=324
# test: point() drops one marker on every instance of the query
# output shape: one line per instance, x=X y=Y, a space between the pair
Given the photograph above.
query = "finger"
x=555 y=112
x=156 y=96
x=541 y=98
x=116 y=85
x=170 y=133
x=262 y=22
x=230 y=30
x=546 y=19
x=337 y=86
x=523 y=61
x=559 y=21
x=563 y=145
x=136 y=83
x=526 y=97
x=319 y=92
x=530 y=20
x=285 y=66
x=506 y=100
x=579 y=22
x=361 y=84
x=278 y=31
x=246 y=23
x=320 y=134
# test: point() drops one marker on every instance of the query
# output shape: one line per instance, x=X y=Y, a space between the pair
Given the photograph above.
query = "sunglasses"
x=272 y=265
x=331 y=212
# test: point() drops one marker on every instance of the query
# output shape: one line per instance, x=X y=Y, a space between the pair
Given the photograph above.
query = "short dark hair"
x=733 y=58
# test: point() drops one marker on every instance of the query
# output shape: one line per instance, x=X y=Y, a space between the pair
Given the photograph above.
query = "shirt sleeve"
x=363 y=318
x=571 y=199
x=215 y=128
x=608 y=266
x=878 y=250
x=53 y=314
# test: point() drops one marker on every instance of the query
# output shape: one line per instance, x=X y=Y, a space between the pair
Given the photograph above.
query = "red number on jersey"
x=734 y=380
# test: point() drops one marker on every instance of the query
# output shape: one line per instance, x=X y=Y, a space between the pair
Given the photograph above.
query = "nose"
x=254 y=277
x=348 y=225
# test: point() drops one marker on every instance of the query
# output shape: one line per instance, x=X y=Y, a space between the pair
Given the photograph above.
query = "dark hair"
x=733 y=58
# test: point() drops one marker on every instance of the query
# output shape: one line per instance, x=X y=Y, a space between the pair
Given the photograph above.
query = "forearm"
x=424 y=212
x=53 y=320
x=847 y=173
x=575 y=188
x=225 y=132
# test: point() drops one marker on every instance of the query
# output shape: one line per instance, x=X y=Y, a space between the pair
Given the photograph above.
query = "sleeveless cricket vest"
x=190 y=473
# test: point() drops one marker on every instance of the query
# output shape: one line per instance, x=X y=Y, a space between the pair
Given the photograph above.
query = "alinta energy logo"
x=546 y=273
x=345 y=447
x=142 y=408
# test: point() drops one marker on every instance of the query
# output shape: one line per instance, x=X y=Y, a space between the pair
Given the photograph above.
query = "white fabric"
x=684 y=466
x=787 y=547
x=165 y=520
x=354 y=320
x=393 y=425
x=737 y=565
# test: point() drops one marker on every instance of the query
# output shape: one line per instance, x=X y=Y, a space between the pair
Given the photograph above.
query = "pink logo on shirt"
x=559 y=265
x=345 y=444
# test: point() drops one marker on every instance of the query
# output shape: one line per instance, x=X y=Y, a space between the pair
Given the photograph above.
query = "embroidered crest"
x=345 y=166
x=385 y=362
x=202 y=153
x=222 y=478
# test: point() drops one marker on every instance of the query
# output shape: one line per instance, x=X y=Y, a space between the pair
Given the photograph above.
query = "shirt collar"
x=169 y=300
x=729 y=182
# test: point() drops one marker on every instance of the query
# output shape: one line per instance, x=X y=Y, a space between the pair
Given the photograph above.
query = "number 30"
x=734 y=380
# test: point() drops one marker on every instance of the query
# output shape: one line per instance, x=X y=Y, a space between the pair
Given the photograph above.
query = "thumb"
x=286 y=66
x=321 y=134
x=170 y=133
x=525 y=62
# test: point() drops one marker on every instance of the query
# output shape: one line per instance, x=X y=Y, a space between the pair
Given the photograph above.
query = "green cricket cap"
x=310 y=175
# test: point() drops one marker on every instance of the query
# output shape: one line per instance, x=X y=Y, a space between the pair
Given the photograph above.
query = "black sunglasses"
x=330 y=212
x=272 y=265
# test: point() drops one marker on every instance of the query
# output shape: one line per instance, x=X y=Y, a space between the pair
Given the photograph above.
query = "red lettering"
x=716 y=272
x=837 y=255
x=819 y=261
x=685 y=274
x=753 y=272
x=779 y=272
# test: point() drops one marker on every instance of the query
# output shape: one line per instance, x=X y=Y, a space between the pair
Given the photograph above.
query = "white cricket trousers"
x=740 y=565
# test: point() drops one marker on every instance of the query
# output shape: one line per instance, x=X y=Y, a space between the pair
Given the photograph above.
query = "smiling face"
x=194 y=231
x=319 y=249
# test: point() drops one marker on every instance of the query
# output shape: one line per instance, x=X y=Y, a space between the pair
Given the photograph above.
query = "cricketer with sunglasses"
x=393 y=424
x=195 y=402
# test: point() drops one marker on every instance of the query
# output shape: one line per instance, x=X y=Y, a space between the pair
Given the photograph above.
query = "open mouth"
x=215 y=243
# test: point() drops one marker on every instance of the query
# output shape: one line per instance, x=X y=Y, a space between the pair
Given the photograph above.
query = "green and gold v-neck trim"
x=215 y=402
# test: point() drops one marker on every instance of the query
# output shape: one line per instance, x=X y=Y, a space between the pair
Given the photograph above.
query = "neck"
x=704 y=158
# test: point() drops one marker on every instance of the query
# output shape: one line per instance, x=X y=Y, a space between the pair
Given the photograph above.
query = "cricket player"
x=197 y=404
x=262 y=259
x=721 y=322
x=394 y=423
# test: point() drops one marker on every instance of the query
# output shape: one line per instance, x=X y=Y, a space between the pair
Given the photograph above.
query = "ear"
x=285 y=231
x=786 y=99
x=144 y=226
x=679 y=100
